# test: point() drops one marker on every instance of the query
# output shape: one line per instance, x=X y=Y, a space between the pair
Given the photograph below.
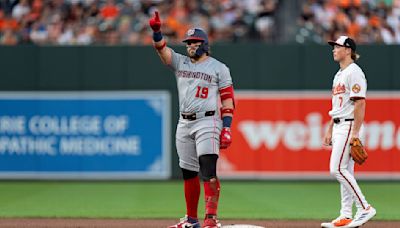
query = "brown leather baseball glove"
x=357 y=151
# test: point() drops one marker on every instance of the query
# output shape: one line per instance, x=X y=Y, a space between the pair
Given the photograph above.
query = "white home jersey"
x=199 y=83
x=348 y=83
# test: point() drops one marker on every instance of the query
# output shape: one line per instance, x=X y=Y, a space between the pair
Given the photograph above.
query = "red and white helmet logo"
x=190 y=32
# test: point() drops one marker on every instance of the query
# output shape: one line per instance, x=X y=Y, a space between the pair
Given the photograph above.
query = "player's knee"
x=208 y=167
x=188 y=174
x=333 y=171
x=336 y=173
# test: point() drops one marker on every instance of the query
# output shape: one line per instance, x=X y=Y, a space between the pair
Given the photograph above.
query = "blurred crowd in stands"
x=110 y=22
x=367 y=21
x=125 y=22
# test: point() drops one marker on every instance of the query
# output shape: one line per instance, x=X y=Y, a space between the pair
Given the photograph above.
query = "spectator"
x=9 y=37
x=21 y=9
x=265 y=19
x=39 y=33
x=109 y=11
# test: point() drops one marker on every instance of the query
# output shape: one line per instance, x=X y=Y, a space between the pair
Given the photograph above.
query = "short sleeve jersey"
x=348 y=84
x=199 y=83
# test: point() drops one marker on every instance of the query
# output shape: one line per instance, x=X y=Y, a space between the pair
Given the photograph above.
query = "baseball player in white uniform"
x=348 y=110
x=203 y=128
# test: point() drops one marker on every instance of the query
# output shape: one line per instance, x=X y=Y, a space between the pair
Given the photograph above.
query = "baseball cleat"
x=341 y=221
x=362 y=217
x=187 y=222
x=211 y=222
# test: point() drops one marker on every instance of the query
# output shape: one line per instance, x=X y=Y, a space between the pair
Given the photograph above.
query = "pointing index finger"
x=157 y=17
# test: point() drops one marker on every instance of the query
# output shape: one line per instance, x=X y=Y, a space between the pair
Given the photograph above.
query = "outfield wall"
x=278 y=135
x=255 y=67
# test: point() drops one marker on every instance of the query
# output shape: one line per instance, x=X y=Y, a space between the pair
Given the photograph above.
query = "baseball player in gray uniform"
x=204 y=126
x=348 y=110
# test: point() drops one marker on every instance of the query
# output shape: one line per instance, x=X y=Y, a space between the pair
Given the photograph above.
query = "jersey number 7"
x=202 y=92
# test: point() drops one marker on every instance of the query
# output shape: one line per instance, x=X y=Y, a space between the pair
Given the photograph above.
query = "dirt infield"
x=159 y=223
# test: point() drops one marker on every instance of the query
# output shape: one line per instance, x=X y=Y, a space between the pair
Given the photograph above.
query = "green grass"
x=258 y=200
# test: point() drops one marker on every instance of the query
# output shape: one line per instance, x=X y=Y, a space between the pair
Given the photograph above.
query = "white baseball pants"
x=342 y=168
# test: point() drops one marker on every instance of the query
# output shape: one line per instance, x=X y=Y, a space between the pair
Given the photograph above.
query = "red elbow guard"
x=226 y=93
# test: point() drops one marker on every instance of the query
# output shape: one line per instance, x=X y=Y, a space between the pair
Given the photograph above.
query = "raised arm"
x=159 y=42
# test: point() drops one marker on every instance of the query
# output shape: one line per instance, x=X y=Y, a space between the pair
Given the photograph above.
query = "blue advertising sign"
x=85 y=135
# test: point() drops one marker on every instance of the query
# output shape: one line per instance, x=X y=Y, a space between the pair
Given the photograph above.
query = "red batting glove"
x=225 y=138
x=155 y=22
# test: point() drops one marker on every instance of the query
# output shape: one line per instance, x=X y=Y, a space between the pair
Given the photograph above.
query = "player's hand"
x=155 y=22
x=328 y=139
x=225 y=138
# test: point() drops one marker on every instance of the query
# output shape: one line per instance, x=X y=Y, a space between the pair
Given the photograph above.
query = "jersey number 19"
x=202 y=92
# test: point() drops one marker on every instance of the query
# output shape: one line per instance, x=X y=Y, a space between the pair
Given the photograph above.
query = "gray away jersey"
x=199 y=83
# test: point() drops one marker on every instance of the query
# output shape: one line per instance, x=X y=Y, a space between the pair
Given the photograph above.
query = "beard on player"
x=192 y=52
x=191 y=49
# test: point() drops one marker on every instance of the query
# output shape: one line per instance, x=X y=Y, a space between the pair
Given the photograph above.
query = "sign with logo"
x=279 y=135
x=85 y=135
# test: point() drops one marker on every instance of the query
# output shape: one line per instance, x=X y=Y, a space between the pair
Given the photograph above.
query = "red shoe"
x=211 y=222
x=187 y=222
